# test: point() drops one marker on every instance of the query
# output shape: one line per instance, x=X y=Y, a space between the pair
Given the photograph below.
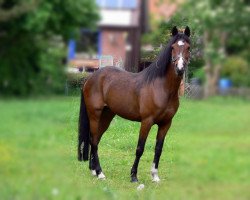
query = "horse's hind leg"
x=98 y=127
x=106 y=117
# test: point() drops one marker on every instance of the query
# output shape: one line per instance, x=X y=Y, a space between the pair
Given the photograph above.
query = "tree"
x=161 y=33
x=221 y=24
x=218 y=28
x=33 y=34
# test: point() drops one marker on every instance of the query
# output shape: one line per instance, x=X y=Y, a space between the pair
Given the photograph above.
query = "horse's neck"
x=172 y=81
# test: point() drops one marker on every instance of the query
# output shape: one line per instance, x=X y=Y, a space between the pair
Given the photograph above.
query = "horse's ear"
x=187 y=31
x=174 y=31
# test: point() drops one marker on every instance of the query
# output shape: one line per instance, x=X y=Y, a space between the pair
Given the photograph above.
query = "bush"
x=195 y=69
x=236 y=69
x=200 y=74
x=32 y=68
x=32 y=37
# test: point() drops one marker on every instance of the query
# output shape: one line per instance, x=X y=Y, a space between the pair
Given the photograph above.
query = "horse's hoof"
x=93 y=172
x=134 y=179
x=156 y=179
x=101 y=176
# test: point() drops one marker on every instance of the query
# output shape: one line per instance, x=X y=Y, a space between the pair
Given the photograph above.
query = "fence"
x=197 y=92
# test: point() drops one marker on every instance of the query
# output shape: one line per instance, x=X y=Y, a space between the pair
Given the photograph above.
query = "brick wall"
x=114 y=44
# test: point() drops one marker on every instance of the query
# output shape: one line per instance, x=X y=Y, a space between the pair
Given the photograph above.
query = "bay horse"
x=149 y=97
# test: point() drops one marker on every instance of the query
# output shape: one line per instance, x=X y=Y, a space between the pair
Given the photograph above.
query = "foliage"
x=218 y=28
x=33 y=34
x=224 y=28
x=74 y=82
x=162 y=34
x=237 y=69
x=38 y=153
x=159 y=37
x=200 y=74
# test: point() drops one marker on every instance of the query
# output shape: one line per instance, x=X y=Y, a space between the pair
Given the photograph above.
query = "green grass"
x=206 y=154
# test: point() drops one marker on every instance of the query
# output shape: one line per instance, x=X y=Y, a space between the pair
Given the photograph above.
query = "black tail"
x=83 y=132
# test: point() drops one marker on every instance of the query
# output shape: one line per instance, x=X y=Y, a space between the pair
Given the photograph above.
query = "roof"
x=163 y=10
x=123 y=13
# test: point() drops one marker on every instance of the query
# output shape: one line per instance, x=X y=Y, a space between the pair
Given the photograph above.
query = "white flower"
x=55 y=191
x=140 y=187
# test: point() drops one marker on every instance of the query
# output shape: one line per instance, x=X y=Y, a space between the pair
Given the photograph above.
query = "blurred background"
x=46 y=45
x=48 y=48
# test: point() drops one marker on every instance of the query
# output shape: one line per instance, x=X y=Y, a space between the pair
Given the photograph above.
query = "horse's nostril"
x=179 y=72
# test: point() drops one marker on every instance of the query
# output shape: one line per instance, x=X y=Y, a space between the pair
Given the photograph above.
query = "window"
x=111 y=3
x=100 y=3
x=123 y=4
x=131 y=4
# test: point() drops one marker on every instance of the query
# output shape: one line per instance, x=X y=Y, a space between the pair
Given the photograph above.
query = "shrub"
x=236 y=69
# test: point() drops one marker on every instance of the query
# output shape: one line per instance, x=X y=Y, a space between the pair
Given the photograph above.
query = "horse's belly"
x=120 y=95
x=130 y=116
x=124 y=108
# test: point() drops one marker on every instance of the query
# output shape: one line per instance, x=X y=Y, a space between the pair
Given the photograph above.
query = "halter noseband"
x=180 y=55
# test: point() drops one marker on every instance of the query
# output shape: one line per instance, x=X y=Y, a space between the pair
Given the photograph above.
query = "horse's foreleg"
x=162 y=131
x=144 y=130
x=92 y=163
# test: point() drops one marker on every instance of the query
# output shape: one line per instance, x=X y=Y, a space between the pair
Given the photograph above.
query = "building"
x=119 y=32
x=163 y=9
x=122 y=23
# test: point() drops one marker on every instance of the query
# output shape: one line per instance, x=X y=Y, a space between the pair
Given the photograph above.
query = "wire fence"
x=193 y=91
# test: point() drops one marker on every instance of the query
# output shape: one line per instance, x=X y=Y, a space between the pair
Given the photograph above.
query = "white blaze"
x=180 y=63
x=180 y=43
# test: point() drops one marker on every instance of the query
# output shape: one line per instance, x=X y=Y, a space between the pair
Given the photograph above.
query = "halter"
x=180 y=54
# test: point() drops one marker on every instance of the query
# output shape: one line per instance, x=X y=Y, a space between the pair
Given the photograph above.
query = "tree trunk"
x=211 y=80
x=212 y=71
x=210 y=87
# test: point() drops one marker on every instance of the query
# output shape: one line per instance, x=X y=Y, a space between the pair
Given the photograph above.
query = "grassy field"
x=206 y=154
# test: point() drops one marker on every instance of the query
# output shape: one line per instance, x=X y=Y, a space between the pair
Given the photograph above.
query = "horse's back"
x=103 y=77
x=124 y=94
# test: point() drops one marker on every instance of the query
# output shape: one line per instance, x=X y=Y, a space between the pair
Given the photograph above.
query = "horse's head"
x=180 y=50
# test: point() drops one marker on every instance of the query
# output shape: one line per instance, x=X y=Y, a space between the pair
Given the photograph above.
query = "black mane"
x=159 y=67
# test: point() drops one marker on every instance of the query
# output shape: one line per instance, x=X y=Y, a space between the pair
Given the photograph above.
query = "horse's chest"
x=167 y=113
x=167 y=110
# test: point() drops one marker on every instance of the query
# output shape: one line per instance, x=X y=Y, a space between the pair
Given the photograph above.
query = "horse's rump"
x=116 y=89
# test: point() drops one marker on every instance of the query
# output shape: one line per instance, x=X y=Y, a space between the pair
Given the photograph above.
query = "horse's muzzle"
x=179 y=72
